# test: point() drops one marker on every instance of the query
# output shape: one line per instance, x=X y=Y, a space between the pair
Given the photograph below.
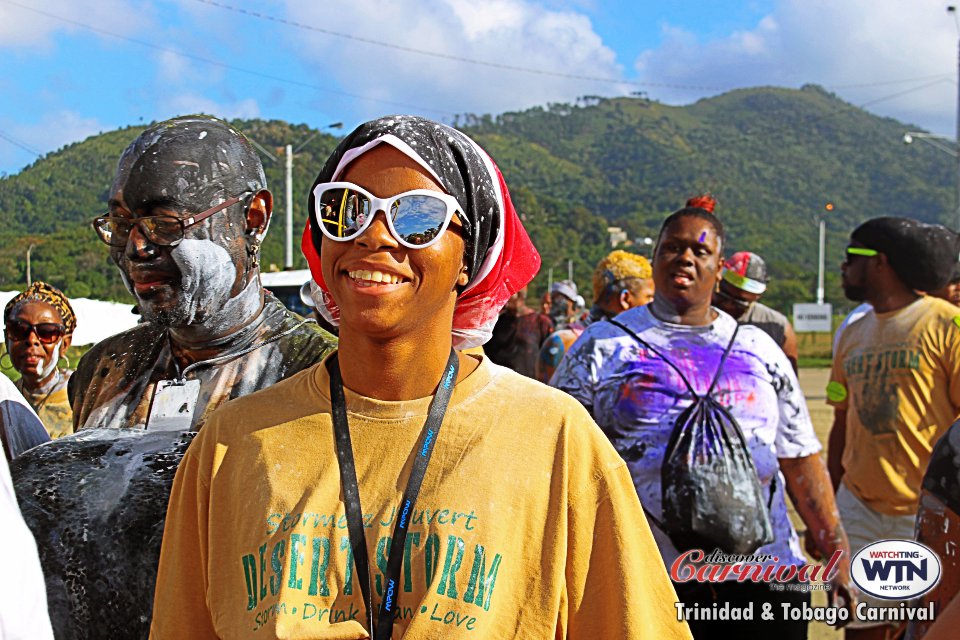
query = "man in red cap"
x=743 y=282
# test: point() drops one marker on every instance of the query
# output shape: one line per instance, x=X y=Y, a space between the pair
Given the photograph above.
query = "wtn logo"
x=903 y=570
x=895 y=569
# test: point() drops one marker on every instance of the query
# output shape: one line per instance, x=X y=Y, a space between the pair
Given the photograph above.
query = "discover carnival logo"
x=895 y=569
x=889 y=569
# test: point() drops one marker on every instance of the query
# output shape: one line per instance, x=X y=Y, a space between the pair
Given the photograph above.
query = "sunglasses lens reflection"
x=342 y=212
x=418 y=219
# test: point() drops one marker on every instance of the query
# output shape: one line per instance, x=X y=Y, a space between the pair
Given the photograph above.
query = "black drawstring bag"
x=711 y=496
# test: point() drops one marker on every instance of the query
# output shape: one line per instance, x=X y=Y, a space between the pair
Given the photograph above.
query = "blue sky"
x=72 y=68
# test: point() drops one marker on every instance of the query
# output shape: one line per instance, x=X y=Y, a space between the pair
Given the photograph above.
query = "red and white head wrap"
x=500 y=257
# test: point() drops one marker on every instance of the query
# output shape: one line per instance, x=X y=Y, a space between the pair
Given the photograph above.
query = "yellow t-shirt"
x=527 y=524
x=897 y=374
x=53 y=408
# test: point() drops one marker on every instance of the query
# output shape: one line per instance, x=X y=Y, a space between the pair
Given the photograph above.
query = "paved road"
x=813 y=382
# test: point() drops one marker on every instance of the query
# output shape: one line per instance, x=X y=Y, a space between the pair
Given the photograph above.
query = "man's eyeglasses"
x=47 y=332
x=165 y=231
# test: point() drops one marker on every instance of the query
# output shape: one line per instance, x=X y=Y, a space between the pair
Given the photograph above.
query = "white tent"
x=96 y=319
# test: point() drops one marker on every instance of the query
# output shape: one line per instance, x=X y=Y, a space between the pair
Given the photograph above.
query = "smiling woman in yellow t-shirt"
x=402 y=485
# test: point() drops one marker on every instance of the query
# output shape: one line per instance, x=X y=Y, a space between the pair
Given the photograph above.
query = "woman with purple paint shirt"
x=636 y=397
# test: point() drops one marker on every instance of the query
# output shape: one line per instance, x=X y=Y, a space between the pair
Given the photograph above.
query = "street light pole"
x=951 y=9
x=958 y=132
x=289 y=151
x=943 y=143
x=820 y=266
x=821 y=255
x=29 y=278
x=288 y=247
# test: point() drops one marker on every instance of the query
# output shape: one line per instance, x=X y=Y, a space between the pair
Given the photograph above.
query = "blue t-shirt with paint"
x=636 y=398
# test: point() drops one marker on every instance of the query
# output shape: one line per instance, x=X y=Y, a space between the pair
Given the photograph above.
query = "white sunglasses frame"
x=383 y=204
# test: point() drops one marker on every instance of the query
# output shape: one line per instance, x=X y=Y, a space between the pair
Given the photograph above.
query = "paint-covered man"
x=188 y=211
x=189 y=208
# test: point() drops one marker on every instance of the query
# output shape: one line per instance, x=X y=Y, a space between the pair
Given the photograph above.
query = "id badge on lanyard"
x=174 y=402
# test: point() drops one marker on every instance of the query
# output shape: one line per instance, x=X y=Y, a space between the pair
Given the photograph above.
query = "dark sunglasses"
x=165 y=231
x=737 y=302
x=47 y=332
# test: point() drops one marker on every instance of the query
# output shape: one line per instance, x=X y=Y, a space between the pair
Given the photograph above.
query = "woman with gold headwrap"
x=621 y=281
x=38 y=327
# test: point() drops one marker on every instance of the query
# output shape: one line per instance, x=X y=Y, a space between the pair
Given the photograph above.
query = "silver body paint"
x=207 y=276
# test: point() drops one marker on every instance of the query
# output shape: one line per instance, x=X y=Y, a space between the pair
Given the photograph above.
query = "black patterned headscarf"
x=499 y=256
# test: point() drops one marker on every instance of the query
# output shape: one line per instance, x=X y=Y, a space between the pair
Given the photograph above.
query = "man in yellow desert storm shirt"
x=560 y=549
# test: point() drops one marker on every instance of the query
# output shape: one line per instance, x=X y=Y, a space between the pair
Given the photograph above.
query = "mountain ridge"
x=773 y=157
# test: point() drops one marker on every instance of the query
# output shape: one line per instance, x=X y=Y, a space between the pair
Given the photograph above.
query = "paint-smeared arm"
x=790 y=346
x=835 y=444
x=809 y=488
x=578 y=371
x=551 y=353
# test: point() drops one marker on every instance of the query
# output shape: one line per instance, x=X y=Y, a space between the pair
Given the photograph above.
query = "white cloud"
x=172 y=67
x=20 y=27
x=52 y=131
x=511 y=32
x=835 y=44
x=187 y=103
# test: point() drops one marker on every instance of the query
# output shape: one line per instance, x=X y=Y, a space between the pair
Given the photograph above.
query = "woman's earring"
x=7 y=356
x=64 y=357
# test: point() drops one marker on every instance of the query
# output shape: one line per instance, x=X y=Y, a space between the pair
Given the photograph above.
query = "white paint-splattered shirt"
x=636 y=398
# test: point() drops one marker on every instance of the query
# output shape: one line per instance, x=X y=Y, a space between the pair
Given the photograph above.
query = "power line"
x=446 y=56
x=901 y=93
x=224 y=65
x=862 y=85
x=17 y=143
x=497 y=65
x=398 y=47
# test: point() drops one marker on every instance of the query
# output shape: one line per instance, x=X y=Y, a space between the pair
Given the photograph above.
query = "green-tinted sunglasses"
x=861 y=251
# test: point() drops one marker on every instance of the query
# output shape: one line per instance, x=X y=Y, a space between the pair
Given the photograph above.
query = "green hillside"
x=773 y=158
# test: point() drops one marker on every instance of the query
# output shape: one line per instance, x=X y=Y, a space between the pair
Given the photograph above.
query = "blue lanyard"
x=351 y=491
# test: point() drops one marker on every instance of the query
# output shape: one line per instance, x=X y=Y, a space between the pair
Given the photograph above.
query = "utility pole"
x=823 y=241
x=958 y=131
x=289 y=152
x=822 y=223
x=29 y=278
x=951 y=9
x=288 y=247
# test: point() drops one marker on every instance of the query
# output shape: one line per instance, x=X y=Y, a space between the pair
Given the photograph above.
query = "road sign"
x=812 y=317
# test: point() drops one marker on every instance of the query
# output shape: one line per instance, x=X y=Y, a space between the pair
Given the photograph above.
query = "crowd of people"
x=229 y=469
